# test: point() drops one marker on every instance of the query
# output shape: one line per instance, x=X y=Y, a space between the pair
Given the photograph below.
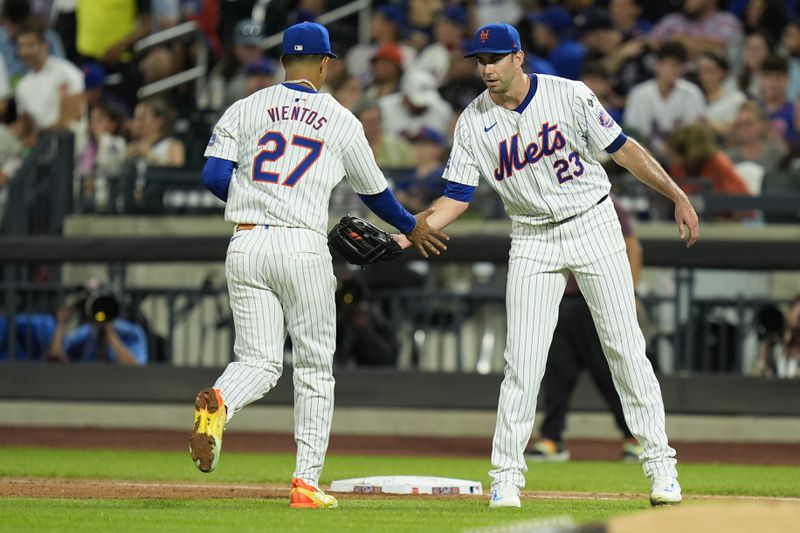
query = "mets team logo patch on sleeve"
x=213 y=139
x=605 y=119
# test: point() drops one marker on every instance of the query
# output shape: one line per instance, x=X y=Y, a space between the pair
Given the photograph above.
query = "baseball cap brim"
x=479 y=51
x=329 y=54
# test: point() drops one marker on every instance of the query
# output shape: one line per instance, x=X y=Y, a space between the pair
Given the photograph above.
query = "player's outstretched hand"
x=401 y=239
x=426 y=238
x=686 y=218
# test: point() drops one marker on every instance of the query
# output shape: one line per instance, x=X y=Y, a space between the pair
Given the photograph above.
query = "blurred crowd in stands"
x=710 y=86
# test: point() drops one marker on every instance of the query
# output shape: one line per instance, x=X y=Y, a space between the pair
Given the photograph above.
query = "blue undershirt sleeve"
x=459 y=191
x=217 y=175
x=618 y=143
x=385 y=205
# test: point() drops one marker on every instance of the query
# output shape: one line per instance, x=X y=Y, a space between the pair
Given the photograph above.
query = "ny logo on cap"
x=298 y=48
x=484 y=36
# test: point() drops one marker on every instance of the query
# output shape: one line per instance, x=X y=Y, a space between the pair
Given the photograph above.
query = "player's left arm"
x=641 y=164
x=368 y=181
x=217 y=175
x=222 y=153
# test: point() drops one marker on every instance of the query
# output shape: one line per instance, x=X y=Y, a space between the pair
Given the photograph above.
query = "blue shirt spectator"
x=774 y=84
x=84 y=343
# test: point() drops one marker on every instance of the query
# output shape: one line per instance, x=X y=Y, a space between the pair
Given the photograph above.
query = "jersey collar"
x=298 y=87
x=529 y=96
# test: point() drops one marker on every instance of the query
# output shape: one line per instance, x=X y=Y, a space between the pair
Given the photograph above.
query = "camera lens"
x=101 y=307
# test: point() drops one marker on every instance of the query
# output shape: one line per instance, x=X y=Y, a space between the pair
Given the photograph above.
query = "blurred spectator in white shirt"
x=418 y=105
x=657 y=107
x=51 y=93
x=13 y=15
x=722 y=96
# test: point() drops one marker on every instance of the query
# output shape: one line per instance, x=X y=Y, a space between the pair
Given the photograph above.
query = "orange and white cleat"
x=304 y=496
x=205 y=444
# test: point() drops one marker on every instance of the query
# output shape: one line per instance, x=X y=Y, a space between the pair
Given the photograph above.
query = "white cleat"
x=505 y=498
x=665 y=491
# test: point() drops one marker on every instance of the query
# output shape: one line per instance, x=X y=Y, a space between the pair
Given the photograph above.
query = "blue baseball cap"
x=495 y=39
x=307 y=38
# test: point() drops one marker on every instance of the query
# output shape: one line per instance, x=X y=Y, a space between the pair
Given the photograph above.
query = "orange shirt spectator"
x=694 y=155
x=718 y=169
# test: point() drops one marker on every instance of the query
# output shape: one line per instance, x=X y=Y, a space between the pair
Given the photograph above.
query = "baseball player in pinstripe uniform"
x=533 y=139
x=274 y=157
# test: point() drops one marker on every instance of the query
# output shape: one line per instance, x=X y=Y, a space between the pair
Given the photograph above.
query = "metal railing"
x=361 y=7
x=437 y=330
x=196 y=73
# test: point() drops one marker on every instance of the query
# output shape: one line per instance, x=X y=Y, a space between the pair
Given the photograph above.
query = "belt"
x=600 y=201
x=245 y=227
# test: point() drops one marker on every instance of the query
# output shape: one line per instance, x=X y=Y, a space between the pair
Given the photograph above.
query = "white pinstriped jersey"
x=539 y=158
x=292 y=147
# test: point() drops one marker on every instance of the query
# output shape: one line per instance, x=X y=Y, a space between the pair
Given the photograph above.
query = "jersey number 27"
x=274 y=144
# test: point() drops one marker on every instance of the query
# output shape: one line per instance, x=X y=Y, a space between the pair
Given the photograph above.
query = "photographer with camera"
x=101 y=335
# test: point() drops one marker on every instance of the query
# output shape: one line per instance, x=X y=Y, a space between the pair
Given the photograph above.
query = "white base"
x=408 y=485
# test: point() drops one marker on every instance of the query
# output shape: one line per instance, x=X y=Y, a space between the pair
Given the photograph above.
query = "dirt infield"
x=599 y=450
x=94 y=488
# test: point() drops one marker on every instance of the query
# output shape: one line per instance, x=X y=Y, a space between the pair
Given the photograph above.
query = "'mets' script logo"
x=550 y=141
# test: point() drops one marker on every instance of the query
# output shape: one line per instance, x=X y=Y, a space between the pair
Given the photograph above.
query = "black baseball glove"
x=362 y=243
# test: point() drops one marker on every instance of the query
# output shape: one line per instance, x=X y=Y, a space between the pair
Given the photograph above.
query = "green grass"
x=356 y=515
x=385 y=516
x=582 y=476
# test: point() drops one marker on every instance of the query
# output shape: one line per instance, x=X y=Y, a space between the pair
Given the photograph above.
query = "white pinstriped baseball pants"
x=592 y=247
x=280 y=280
